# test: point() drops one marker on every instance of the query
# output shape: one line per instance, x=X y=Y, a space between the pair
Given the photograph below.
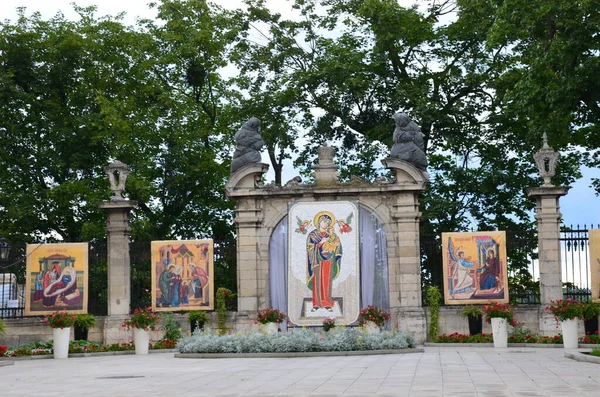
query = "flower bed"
x=297 y=341
x=40 y=349
x=515 y=338
x=592 y=339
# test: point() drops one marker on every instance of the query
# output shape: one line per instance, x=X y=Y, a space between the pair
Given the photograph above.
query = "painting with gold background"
x=57 y=278
x=182 y=275
x=474 y=267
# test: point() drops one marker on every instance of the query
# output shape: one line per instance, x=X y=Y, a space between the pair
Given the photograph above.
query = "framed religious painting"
x=56 y=278
x=594 y=236
x=182 y=275
x=323 y=262
x=474 y=267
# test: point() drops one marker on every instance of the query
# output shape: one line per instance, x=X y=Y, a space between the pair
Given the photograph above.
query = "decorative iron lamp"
x=117 y=175
x=545 y=160
x=4 y=249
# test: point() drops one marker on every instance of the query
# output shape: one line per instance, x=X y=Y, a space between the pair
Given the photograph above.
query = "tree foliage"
x=484 y=79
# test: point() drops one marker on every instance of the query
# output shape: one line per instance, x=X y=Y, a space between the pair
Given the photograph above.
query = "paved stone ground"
x=440 y=371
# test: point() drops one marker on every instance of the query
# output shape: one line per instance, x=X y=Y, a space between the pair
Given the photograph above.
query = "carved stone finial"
x=326 y=155
x=326 y=171
x=248 y=143
x=117 y=175
x=545 y=161
x=408 y=142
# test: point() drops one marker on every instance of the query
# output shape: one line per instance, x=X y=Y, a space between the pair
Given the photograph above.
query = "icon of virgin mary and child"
x=324 y=250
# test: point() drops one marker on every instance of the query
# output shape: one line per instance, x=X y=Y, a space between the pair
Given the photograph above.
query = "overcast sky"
x=580 y=206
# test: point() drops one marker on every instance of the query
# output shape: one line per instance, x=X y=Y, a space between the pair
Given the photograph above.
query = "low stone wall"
x=530 y=316
x=108 y=330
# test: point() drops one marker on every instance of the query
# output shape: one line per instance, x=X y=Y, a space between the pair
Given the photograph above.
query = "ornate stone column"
x=118 y=231
x=548 y=221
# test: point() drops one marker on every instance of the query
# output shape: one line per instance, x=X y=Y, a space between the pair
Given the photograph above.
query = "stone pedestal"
x=119 y=278
x=548 y=221
x=113 y=330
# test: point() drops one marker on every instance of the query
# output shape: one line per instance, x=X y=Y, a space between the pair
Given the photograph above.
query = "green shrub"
x=433 y=300
x=471 y=311
x=299 y=340
x=86 y=321
x=171 y=328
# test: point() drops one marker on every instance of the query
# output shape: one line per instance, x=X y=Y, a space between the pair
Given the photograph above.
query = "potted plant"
x=567 y=312
x=475 y=316
x=83 y=323
x=270 y=318
x=591 y=310
x=142 y=321
x=373 y=318
x=61 y=323
x=499 y=314
x=197 y=319
x=2 y=326
x=328 y=324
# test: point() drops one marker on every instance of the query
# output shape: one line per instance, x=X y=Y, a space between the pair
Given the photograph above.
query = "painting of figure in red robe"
x=57 y=278
x=323 y=268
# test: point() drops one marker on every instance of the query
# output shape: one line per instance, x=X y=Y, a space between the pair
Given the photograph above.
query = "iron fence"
x=575 y=262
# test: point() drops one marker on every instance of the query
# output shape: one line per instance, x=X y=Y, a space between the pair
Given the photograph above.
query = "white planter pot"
x=500 y=332
x=270 y=328
x=141 y=338
x=372 y=328
x=570 y=334
x=61 y=342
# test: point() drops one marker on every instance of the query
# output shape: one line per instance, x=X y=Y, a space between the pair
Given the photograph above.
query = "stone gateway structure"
x=390 y=264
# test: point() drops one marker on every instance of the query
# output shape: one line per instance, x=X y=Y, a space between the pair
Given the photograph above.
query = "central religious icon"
x=323 y=276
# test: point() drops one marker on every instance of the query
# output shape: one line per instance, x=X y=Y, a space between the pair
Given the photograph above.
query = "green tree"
x=79 y=94
x=356 y=63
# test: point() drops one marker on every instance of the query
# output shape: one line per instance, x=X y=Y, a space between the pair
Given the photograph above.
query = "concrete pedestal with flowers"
x=567 y=312
x=61 y=323
x=372 y=319
x=269 y=320
x=500 y=315
x=142 y=321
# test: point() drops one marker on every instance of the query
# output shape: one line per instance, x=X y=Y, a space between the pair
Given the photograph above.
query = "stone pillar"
x=249 y=217
x=548 y=222
x=119 y=270
x=119 y=279
x=405 y=260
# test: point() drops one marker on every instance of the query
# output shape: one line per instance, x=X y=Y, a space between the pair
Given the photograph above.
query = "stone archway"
x=394 y=202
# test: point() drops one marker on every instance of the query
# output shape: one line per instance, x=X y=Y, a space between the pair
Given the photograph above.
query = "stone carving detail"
x=295 y=181
x=545 y=160
x=117 y=175
x=408 y=142
x=248 y=143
